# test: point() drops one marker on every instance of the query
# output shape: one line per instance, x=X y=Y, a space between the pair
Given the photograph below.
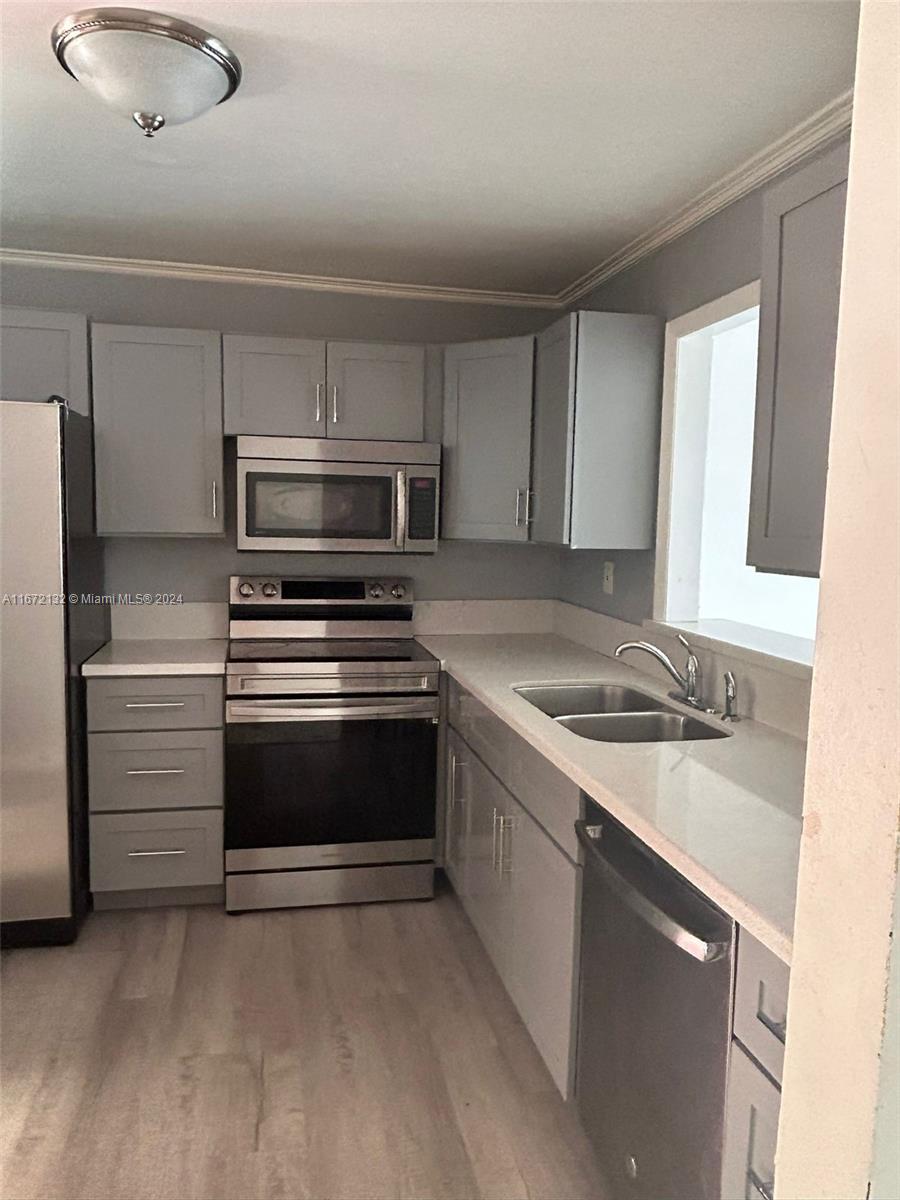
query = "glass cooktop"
x=313 y=650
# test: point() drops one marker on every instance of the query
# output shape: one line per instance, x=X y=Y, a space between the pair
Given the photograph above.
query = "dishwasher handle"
x=684 y=939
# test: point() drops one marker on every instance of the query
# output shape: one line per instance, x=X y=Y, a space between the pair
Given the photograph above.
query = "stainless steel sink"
x=641 y=727
x=577 y=699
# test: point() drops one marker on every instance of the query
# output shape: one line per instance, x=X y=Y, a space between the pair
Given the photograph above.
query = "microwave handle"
x=400 y=537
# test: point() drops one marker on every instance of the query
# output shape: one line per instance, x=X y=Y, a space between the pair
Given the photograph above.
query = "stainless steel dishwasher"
x=654 y=1020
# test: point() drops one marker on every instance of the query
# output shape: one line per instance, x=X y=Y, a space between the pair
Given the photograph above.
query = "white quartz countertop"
x=155 y=656
x=725 y=813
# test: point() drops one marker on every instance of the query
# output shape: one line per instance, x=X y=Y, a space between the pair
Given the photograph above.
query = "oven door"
x=285 y=505
x=316 y=782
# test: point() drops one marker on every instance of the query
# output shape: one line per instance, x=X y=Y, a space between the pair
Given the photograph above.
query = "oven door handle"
x=263 y=710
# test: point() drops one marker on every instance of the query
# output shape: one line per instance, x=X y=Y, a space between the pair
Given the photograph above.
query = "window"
x=703 y=581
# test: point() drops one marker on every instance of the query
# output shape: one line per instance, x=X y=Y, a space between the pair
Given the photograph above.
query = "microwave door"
x=318 y=506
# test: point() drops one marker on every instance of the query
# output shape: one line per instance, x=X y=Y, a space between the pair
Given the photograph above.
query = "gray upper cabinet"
x=803 y=232
x=596 y=431
x=487 y=440
x=157 y=430
x=376 y=392
x=274 y=386
x=44 y=354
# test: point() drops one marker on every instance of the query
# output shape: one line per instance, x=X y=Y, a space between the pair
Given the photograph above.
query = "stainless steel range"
x=331 y=744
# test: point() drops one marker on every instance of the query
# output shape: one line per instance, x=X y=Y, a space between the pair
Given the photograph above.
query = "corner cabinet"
x=157 y=431
x=44 y=354
x=290 y=387
x=803 y=233
x=487 y=440
x=596 y=431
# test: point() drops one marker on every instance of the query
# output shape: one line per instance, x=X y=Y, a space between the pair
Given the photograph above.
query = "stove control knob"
x=246 y=589
x=398 y=591
x=376 y=591
x=269 y=589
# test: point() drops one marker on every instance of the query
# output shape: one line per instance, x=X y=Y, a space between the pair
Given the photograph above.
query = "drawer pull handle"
x=763 y=1189
x=153 y=853
x=778 y=1029
x=158 y=771
x=155 y=704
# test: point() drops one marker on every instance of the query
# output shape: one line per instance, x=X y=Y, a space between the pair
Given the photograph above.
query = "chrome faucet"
x=689 y=682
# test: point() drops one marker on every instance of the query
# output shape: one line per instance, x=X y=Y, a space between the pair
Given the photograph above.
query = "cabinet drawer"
x=153 y=702
x=760 y=1003
x=155 y=849
x=488 y=736
x=551 y=797
x=171 y=769
x=751 y=1131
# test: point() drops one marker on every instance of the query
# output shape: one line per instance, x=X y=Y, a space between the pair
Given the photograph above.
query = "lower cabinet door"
x=544 y=887
x=751 y=1130
x=133 y=851
x=457 y=814
x=485 y=894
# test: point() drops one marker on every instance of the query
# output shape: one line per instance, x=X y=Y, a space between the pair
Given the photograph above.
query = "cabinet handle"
x=154 y=704
x=320 y=388
x=528 y=497
x=215 y=500
x=454 y=763
x=763 y=1189
x=157 y=771
x=494 y=843
x=778 y=1029
x=334 y=407
x=518 y=507
x=153 y=853
x=504 y=858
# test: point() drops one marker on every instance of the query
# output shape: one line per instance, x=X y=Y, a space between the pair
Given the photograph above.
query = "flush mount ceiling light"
x=156 y=69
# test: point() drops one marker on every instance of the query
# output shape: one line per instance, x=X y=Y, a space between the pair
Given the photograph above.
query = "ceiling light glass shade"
x=155 y=69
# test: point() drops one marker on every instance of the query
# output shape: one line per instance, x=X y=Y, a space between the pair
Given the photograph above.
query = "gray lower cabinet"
x=596 y=431
x=375 y=391
x=760 y=1003
x=274 y=386
x=487 y=440
x=751 y=1131
x=520 y=892
x=44 y=354
x=803 y=231
x=157 y=431
x=155 y=775
x=142 y=850
x=146 y=770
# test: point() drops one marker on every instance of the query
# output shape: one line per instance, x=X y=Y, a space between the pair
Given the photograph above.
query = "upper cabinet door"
x=487 y=440
x=157 y=430
x=596 y=431
x=274 y=386
x=44 y=354
x=376 y=392
x=554 y=421
x=803 y=235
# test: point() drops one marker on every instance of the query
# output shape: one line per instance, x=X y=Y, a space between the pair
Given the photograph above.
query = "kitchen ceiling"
x=505 y=146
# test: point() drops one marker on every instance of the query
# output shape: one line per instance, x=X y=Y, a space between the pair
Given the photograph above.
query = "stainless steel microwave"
x=331 y=495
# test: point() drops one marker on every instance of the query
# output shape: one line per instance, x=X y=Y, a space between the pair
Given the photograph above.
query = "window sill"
x=748 y=643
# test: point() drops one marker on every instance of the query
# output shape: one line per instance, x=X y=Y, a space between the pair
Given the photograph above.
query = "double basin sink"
x=609 y=712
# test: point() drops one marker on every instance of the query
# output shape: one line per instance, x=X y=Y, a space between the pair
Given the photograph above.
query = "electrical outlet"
x=609 y=578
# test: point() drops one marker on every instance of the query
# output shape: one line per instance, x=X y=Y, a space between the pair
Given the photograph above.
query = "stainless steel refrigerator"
x=50 y=567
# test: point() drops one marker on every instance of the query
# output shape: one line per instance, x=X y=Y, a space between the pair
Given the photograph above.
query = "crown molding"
x=204 y=273
x=798 y=143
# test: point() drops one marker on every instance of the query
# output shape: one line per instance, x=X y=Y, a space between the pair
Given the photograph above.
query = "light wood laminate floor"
x=313 y=1054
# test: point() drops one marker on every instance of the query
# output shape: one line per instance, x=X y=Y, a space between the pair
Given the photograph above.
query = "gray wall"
x=715 y=258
